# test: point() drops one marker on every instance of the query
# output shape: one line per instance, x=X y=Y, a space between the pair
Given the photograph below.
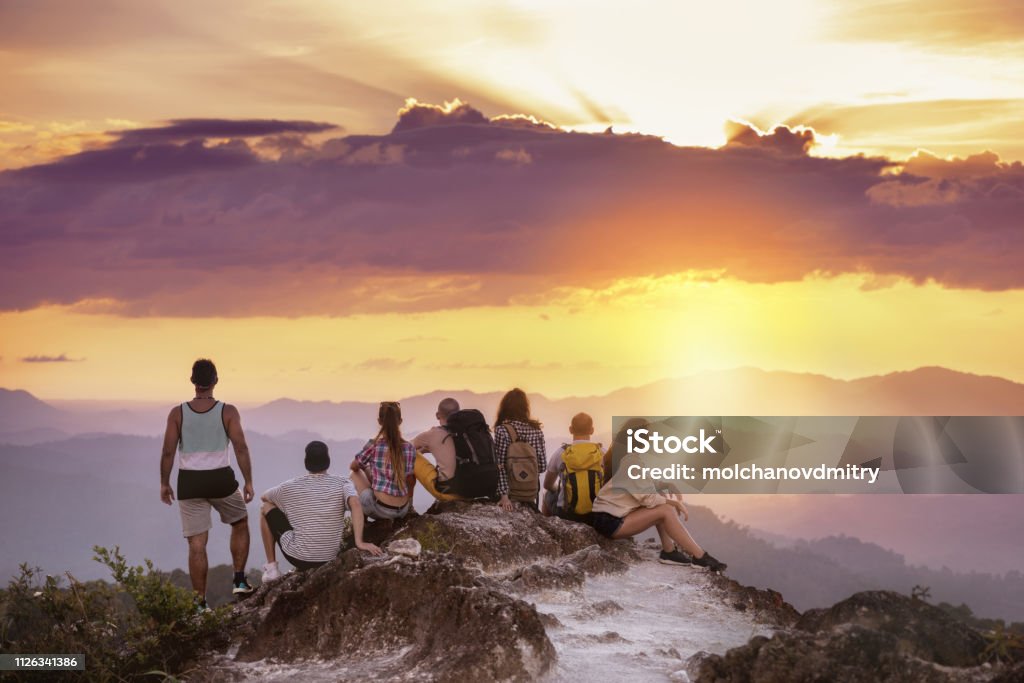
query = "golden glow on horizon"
x=578 y=342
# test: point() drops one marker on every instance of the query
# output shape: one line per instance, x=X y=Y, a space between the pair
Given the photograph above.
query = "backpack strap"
x=511 y=431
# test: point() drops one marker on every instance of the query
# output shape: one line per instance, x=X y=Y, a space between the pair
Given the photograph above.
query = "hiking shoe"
x=673 y=557
x=242 y=588
x=710 y=563
x=201 y=607
x=271 y=572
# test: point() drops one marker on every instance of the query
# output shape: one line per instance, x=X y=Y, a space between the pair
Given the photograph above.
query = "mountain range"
x=745 y=391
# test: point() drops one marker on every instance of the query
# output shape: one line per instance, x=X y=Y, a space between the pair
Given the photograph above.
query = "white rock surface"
x=409 y=547
x=668 y=614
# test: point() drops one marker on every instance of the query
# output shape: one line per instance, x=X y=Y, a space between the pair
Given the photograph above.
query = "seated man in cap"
x=306 y=516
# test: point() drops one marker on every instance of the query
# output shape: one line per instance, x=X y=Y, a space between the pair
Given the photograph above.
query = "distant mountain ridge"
x=821 y=571
x=743 y=391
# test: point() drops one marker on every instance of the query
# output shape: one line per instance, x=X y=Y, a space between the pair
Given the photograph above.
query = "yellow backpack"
x=582 y=476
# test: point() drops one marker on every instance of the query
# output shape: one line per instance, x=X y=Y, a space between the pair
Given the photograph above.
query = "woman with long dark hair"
x=518 y=451
x=383 y=470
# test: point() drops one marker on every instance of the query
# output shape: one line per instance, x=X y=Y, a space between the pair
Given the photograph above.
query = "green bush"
x=141 y=626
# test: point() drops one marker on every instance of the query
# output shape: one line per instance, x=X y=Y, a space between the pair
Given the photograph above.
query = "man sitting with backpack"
x=464 y=450
x=574 y=474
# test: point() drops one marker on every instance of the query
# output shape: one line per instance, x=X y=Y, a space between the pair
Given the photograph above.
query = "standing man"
x=200 y=430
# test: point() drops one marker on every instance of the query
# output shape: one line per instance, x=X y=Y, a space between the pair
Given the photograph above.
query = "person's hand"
x=369 y=547
x=505 y=504
x=247 y=492
x=166 y=494
x=679 y=505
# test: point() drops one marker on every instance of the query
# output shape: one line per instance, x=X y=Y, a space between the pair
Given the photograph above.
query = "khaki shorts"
x=195 y=512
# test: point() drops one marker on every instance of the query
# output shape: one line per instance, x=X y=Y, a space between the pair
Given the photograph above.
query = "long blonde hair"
x=390 y=417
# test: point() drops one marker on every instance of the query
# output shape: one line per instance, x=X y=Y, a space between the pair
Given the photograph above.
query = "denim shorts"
x=374 y=508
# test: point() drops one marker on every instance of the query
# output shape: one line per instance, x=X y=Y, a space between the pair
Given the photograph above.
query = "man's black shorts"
x=279 y=524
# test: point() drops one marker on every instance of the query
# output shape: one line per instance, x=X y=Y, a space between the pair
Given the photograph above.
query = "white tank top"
x=204 y=439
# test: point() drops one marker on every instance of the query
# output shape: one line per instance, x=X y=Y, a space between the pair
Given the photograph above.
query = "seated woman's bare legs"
x=667 y=544
x=666 y=518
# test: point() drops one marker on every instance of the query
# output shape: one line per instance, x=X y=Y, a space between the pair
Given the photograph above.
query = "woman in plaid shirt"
x=383 y=470
x=514 y=410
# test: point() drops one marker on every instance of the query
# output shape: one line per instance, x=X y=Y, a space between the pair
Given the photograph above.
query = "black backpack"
x=476 y=472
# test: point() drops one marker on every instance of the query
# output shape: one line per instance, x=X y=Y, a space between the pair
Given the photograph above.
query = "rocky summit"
x=469 y=592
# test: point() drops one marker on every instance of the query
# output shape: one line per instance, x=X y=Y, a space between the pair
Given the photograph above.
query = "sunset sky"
x=369 y=200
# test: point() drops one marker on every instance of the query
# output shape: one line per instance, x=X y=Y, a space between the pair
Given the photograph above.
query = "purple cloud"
x=139 y=163
x=180 y=130
x=62 y=358
x=434 y=215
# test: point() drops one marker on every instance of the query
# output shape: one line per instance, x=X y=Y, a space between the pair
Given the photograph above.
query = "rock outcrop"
x=451 y=578
x=496 y=539
x=361 y=608
x=473 y=593
x=871 y=636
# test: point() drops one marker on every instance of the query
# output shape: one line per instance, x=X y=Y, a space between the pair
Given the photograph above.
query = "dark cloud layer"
x=454 y=209
x=178 y=130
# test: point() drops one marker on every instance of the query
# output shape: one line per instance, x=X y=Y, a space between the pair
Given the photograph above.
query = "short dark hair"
x=204 y=373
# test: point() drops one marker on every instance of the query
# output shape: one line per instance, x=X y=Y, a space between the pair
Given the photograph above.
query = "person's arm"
x=410 y=476
x=233 y=422
x=272 y=496
x=676 y=501
x=607 y=463
x=422 y=442
x=362 y=459
x=501 y=442
x=171 y=437
x=551 y=481
x=357 y=526
x=551 y=474
x=542 y=453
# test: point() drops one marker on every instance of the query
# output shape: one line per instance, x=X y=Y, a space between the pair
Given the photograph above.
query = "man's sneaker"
x=674 y=557
x=242 y=588
x=201 y=607
x=271 y=572
x=709 y=562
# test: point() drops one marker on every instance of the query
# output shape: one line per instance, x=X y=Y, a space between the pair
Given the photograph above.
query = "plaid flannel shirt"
x=376 y=460
x=502 y=440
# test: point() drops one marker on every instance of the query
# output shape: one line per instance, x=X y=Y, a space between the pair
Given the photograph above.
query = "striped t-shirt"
x=315 y=506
